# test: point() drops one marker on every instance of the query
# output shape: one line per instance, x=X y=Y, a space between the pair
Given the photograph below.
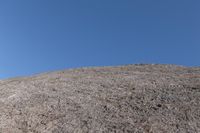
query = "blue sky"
x=45 y=35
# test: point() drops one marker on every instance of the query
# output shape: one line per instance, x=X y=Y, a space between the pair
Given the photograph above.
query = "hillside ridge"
x=132 y=98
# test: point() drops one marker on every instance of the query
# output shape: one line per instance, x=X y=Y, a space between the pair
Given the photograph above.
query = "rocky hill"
x=123 y=99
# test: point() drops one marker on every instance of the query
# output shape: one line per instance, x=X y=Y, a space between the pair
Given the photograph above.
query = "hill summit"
x=123 y=99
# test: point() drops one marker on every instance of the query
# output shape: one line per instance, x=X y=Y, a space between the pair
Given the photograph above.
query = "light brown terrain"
x=123 y=99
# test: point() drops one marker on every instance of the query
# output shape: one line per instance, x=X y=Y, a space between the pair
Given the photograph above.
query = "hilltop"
x=133 y=98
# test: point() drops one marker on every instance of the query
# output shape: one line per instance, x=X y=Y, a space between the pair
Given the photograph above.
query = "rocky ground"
x=125 y=99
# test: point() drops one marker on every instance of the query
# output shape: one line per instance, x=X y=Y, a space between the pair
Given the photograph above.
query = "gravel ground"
x=125 y=99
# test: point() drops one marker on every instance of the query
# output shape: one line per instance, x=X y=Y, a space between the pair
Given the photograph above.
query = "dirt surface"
x=125 y=99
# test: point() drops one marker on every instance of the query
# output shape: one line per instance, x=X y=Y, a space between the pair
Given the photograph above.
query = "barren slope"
x=132 y=98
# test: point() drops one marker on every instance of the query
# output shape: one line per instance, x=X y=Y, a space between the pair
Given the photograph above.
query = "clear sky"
x=45 y=35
